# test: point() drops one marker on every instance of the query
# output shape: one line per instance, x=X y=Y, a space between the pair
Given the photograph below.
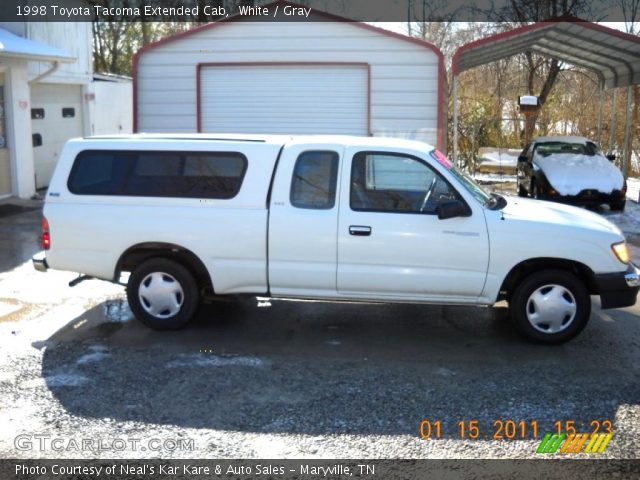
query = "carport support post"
x=614 y=118
x=600 y=108
x=455 y=120
x=626 y=155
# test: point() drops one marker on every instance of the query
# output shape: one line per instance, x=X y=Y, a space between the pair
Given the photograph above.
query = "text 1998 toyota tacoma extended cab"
x=339 y=218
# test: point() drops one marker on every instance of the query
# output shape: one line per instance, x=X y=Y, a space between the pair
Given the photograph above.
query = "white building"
x=48 y=95
x=311 y=77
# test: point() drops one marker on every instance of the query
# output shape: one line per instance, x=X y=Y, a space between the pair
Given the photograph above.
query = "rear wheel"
x=550 y=306
x=162 y=294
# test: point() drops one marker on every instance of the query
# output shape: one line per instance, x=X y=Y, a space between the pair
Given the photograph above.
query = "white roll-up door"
x=292 y=98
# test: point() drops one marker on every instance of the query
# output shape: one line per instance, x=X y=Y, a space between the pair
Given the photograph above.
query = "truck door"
x=303 y=221
x=391 y=243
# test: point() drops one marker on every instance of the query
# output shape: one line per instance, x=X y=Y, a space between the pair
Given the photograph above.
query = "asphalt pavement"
x=264 y=378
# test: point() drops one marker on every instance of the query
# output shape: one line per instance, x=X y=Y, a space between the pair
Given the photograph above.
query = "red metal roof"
x=613 y=55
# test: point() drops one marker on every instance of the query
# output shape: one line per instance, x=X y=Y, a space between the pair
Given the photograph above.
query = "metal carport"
x=614 y=56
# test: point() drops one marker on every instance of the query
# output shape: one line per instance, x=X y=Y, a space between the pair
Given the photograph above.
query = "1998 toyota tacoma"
x=338 y=218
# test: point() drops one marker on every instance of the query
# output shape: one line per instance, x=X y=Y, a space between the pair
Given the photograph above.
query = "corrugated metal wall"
x=404 y=75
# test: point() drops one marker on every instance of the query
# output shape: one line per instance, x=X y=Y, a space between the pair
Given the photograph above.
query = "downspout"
x=455 y=119
x=54 y=67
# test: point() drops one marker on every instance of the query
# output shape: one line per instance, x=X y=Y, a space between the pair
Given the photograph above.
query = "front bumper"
x=618 y=289
x=587 y=198
x=40 y=262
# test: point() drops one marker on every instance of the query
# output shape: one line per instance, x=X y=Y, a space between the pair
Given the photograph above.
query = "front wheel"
x=162 y=294
x=618 y=205
x=550 y=306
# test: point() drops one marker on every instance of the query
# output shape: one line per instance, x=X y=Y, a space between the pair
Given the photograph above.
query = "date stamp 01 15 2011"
x=567 y=435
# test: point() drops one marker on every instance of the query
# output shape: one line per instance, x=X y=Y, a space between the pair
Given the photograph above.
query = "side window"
x=158 y=174
x=314 y=180
x=387 y=182
x=98 y=173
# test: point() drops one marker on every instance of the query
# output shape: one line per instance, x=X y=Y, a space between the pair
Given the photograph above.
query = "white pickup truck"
x=324 y=217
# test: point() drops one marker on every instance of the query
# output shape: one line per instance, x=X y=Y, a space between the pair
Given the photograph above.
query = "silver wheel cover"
x=160 y=295
x=551 y=308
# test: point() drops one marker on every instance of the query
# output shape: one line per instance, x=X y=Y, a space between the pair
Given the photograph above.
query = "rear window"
x=158 y=174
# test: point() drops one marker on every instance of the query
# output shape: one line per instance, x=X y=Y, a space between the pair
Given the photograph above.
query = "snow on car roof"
x=563 y=138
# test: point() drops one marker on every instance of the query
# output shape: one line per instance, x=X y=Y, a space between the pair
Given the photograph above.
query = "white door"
x=285 y=98
x=56 y=116
x=5 y=167
x=303 y=222
x=390 y=240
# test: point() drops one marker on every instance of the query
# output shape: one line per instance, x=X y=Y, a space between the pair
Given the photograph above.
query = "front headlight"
x=622 y=251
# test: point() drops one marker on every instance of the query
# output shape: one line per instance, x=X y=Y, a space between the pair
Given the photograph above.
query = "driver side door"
x=391 y=243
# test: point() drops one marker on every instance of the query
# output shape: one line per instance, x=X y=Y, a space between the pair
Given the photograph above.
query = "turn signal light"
x=46 y=236
x=622 y=251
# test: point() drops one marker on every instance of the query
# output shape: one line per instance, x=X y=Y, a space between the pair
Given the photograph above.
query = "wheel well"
x=527 y=267
x=141 y=252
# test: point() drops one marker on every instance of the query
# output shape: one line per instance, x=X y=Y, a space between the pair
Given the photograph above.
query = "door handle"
x=360 y=230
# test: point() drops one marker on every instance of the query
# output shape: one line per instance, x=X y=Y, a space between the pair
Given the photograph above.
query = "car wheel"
x=618 y=205
x=550 y=306
x=162 y=294
x=521 y=191
x=534 y=191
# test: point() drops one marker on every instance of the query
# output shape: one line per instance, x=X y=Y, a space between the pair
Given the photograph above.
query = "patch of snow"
x=206 y=360
x=483 y=178
x=497 y=157
x=570 y=173
x=98 y=348
x=445 y=372
x=117 y=310
x=66 y=379
x=7 y=309
x=92 y=357
x=627 y=221
x=272 y=446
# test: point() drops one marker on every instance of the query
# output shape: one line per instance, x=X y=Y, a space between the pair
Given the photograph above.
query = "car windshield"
x=552 y=148
x=467 y=182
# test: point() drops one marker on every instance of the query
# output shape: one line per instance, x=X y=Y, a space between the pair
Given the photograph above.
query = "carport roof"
x=613 y=55
x=17 y=47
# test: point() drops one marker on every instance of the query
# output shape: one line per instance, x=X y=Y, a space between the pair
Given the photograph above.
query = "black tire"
x=534 y=191
x=570 y=295
x=618 y=205
x=175 y=295
x=521 y=191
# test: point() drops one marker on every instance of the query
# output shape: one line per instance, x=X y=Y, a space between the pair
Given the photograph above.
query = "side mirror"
x=522 y=158
x=451 y=209
x=611 y=157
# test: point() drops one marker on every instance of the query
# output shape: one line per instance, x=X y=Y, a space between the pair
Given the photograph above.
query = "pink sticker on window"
x=442 y=159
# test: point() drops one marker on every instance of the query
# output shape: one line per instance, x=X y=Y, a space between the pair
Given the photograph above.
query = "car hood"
x=570 y=173
x=565 y=216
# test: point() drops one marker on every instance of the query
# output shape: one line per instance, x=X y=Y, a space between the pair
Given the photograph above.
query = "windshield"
x=467 y=182
x=552 y=148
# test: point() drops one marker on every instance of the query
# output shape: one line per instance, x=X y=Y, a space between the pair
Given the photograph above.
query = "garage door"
x=56 y=116
x=300 y=99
